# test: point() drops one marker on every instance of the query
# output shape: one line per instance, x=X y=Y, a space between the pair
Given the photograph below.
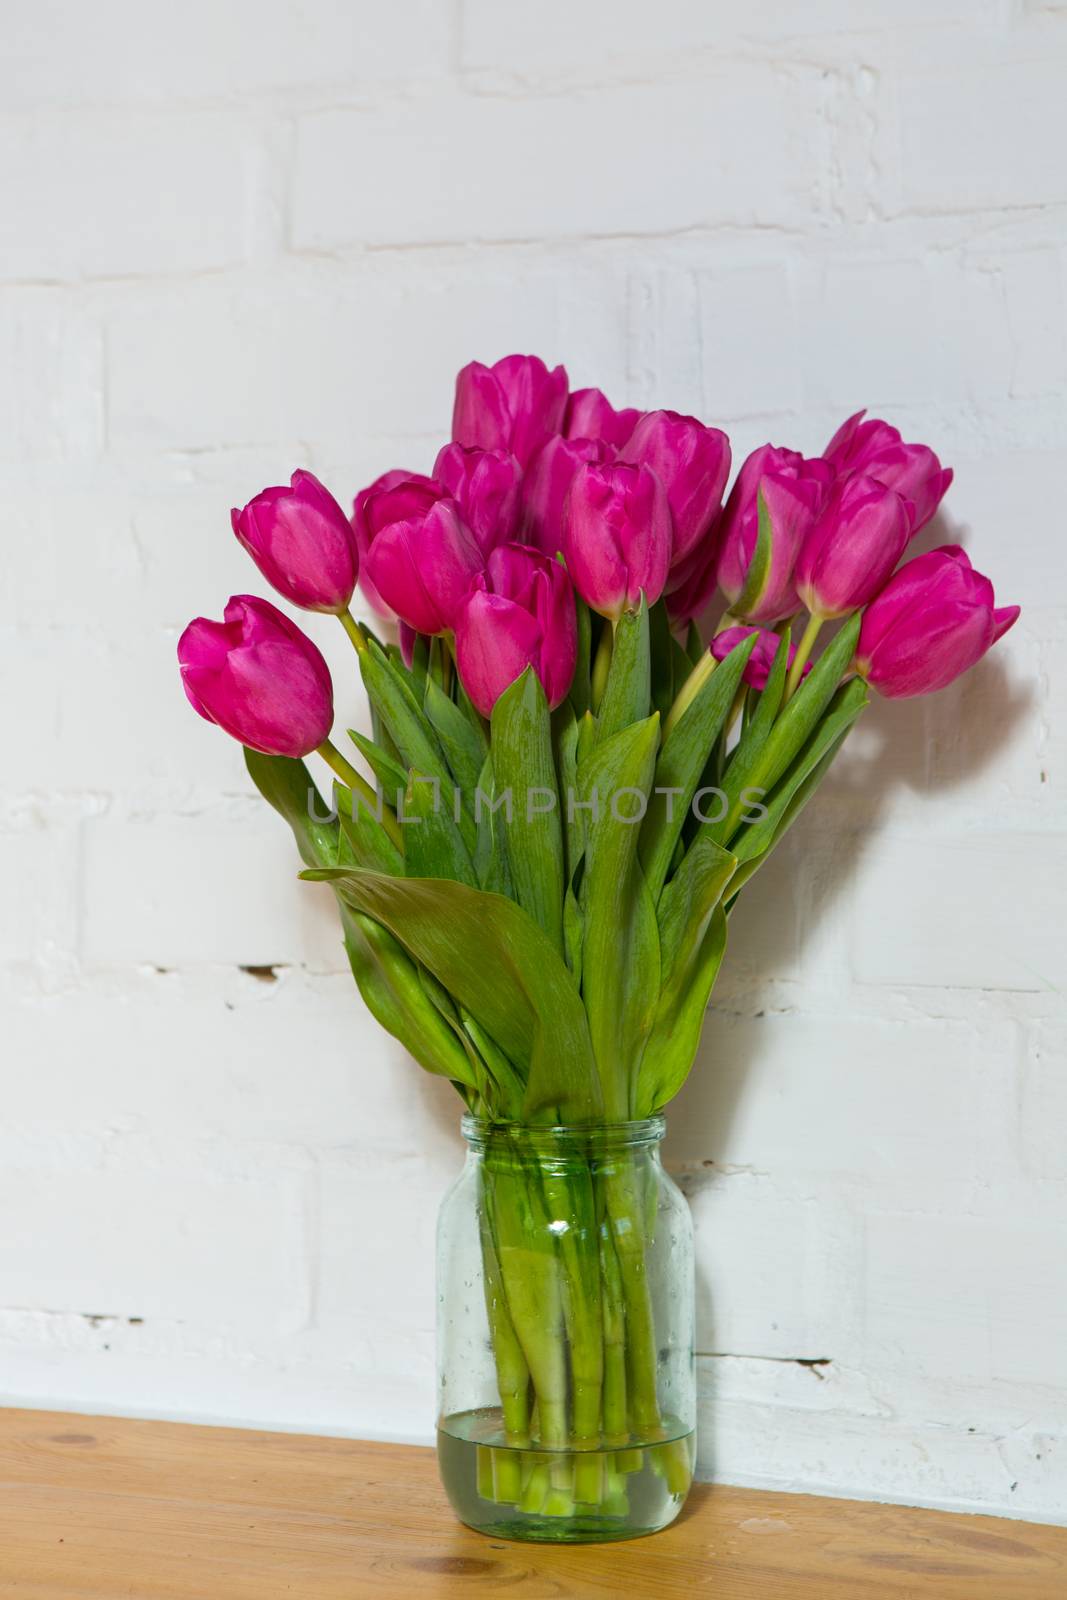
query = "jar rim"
x=644 y=1130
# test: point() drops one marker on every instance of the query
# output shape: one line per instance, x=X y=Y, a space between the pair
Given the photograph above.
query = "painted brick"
x=965 y=146
x=974 y=912
x=118 y=52
x=155 y=1242
x=1043 y=1111
x=568 y=37
x=154 y=893
x=291 y=363
x=118 y=196
x=954 y=1296
x=522 y=153
x=893 y=1099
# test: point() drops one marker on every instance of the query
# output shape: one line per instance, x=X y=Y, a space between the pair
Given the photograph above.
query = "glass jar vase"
x=565 y=1334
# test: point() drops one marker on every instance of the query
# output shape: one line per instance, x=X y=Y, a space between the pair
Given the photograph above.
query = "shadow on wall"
x=931 y=745
x=928 y=746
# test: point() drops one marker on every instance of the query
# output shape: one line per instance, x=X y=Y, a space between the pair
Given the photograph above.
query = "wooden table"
x=94 y=1507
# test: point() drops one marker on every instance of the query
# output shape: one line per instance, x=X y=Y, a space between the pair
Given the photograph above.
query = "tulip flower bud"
x=590 y=415
x=933 y=620
x=692 y=462
x=617 y=536
x=423 y=566
x=301 y=541
x=547 y=484
x=258 y=677
x=850 y=552
x=390 y=498
x=516 y=405
x=519 y=613
x=760 y=662
x=877 y=450
x=485 y=486
x=794 y=491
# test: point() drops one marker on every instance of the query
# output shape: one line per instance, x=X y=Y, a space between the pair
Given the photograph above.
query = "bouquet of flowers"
x=570 y=780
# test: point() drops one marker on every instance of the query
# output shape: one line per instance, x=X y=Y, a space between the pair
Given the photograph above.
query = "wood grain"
x=96 y=1508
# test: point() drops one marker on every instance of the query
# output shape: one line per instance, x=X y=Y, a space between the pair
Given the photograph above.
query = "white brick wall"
x=242 y=235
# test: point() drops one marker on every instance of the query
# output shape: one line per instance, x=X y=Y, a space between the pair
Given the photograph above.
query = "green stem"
x=628 y=1233
x=569 y=1196
x=359 y=785
x=602 y=663
x=353 y=629
x=532 y=1287
x=689 y=691
x=613 y=1314
x=800 y=660
x=512 y=1372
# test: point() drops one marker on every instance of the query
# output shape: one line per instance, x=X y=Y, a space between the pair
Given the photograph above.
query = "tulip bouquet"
x=570 y=780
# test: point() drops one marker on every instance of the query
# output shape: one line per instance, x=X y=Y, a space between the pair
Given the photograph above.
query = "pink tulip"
x=547 y=484
x=258 y=677
x=590 y=415
x=516 y=405
x=393 y=497
x=691 y=461
x=424 y=565
x=485 y=486
x=301 y=541
x=848 y=555
x=617 y=536
x=794 y=491
x=876 y=449
x=760 y=662
x=933 y=620
x=520 y=613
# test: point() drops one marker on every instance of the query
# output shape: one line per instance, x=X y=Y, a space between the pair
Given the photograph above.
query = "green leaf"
x=573 y=933
x=768 y=702
x=390 y=776
x=289 y=787
x=848 y=702
x=760 y=565
x=662 y=651
x=392 y=697
x=687 y=903
x=462 y=739
x=446 y=1007
x=628 y=690
x=683 y=758
x=764 y=764
x=508 y=1094
x=390 y=984
x=433 y=845
x=491 y=850
x=494 y=960
x=383 y=738
x=756 y=841
x=469 y=709
x=371 y=846
x=573 y=829
x=524 y=768
x=415 y=675
x=410 y=729
x=675 y=1035
x=620 y=954
x=581 y=687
